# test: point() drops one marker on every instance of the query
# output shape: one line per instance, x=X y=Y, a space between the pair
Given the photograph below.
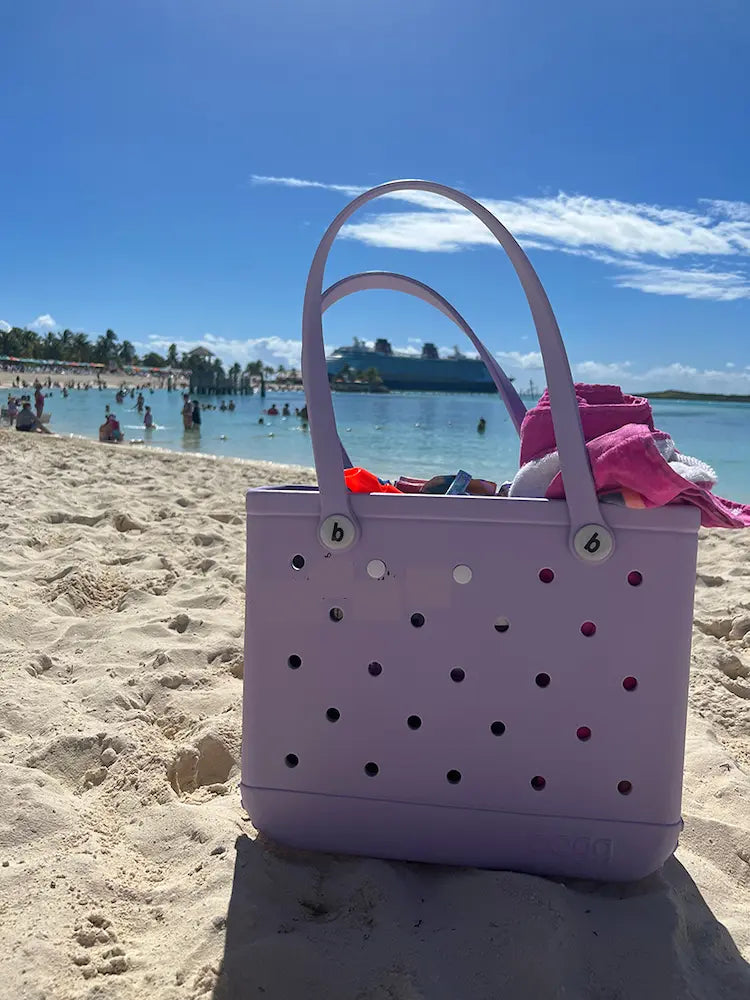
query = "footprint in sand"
x=98 y=953
x=207 y=765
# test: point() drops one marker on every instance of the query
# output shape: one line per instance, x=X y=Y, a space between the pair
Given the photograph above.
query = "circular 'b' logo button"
x=337 y=532
x=593 y=542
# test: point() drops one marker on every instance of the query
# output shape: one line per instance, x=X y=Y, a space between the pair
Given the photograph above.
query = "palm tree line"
x=108 y=349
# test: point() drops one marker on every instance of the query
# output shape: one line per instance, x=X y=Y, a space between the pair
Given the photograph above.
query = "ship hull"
x=416 y=374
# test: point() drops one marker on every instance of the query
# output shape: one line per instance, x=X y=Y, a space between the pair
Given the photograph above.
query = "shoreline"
x=695 y=397
x=134 y=447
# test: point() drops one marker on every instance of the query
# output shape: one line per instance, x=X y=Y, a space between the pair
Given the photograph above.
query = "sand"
x=113 y=379
x=128 y=868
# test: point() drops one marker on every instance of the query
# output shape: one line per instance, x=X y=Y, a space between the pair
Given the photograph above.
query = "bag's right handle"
x=589 y=537
x=387 y=280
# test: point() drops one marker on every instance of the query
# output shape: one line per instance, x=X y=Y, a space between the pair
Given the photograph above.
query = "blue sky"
x=169 y=165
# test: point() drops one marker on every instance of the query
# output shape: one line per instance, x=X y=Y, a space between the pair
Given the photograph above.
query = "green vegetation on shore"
x=22 y=343
x=702 y=397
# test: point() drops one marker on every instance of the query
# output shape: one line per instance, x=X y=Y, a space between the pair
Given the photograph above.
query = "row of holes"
x=376 y=569
x=453 y=776
x=583 y=733
x=458 y=674
x=501 y=624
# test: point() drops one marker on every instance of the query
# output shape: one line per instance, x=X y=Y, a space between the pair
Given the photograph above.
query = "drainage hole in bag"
x=335 y=614
x=542 y=680
x=294 y=661
x=624 y=787
x=497 y=728
x=457 y=674
x=546 y=575
x=298 y=562
x=333 y=715
x=630 y=683
x=635 y=579
x=538 y=782
x=371 y=769
x=291 y=760
x=374 y=669
x=502 y=624
x=413 y=722
x=453 y=777
x=588 y=629
x=417 y=619
x=583 y=733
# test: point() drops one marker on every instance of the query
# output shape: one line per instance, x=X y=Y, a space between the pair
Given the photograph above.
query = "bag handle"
x=338 y=529
x=387 y=280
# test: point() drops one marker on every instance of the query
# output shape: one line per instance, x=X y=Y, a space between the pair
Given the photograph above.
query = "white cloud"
x=268 y=349
x=527 y=362
x=734 y=210
x=44 y=322
x=721 y=286
x=296 y=182
x=4 y=326
x=636 y=237
x=730 y=364
x=654 y=379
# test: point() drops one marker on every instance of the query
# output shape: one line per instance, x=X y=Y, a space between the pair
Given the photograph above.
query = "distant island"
x=701 y=397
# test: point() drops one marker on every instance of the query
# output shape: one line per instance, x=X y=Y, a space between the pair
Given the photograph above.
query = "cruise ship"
x=427 y=372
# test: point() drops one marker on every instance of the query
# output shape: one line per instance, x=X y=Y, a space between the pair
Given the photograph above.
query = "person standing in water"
x=196 y=415
x=482 y=425
x=187 y=413
x=148 y=420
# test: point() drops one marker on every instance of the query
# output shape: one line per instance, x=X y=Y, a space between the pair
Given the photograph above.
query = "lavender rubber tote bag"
x=465 y=680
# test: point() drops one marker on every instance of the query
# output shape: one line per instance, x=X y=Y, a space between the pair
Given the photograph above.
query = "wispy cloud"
x=5 y=326
x=297 y=182
x=637 y=239
x=693 y=283
x=44 y=322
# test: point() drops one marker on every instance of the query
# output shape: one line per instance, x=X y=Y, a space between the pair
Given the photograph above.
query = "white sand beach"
x=128 y=869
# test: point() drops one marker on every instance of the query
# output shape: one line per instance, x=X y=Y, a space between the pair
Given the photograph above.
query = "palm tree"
x=51 y=346
x=126 y=354
x=105 y=348
x=373 y=377
x=66 y=339
x=172 y=359
x=80 y=347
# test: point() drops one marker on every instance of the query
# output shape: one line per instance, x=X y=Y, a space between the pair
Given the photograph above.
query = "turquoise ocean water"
x=417 y=434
